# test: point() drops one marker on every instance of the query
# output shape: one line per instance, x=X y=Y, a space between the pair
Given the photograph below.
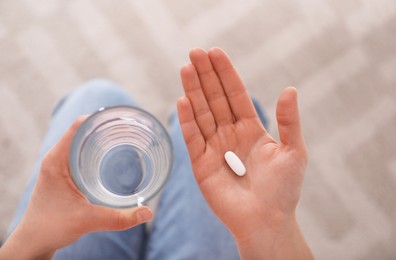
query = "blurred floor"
x=341 y=55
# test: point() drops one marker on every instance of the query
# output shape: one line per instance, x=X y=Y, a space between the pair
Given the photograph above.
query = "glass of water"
x=120 y=157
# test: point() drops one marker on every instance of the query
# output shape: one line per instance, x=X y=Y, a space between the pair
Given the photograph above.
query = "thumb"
x=108 y=219
x=288 y=118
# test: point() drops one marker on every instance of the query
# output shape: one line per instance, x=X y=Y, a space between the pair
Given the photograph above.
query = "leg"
x=185 y=227
x=85 y=100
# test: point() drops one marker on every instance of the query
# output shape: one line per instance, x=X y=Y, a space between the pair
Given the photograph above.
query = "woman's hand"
x=58 y=213
x=217 y=115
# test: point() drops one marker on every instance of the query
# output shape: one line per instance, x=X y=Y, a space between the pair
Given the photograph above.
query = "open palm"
x=217 y=115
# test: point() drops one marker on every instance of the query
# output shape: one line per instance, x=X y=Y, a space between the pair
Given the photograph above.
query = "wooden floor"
x=341 y=55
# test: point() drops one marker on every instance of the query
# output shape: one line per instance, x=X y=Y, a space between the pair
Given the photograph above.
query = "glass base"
x=121 y=170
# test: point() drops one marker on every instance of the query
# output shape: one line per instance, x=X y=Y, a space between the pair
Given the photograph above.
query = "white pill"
x=235 y=163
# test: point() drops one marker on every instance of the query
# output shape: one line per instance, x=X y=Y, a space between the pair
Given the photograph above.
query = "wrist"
x=25 y=244
x=282 y=240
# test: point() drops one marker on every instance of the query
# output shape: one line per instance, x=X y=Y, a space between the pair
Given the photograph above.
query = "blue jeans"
x=184 y=226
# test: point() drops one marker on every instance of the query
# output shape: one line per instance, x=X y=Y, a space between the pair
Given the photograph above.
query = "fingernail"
x=144 y=215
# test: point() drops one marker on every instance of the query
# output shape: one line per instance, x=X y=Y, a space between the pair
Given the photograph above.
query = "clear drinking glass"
x=120 y=157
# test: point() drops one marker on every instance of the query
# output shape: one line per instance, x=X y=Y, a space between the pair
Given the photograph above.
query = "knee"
x=103 y=91
x=100 y=87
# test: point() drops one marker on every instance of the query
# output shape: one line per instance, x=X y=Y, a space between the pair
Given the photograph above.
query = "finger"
x=239 y=99
x=192 y=88
x=212 y=88
x=288 y=118
x=102 y=218
x=192 y=135
x=60 y=152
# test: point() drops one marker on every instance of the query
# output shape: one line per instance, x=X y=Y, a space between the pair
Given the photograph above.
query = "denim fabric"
x=184 y=227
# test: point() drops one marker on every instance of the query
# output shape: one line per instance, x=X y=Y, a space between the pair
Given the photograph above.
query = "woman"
x=252 y=217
